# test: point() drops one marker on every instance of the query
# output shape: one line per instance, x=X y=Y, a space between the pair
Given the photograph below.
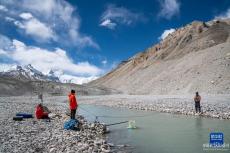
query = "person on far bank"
x=197 y=100
x=73 y=104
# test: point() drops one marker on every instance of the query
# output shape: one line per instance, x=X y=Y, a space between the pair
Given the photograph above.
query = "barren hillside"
x=10 y=86
x=193 y=58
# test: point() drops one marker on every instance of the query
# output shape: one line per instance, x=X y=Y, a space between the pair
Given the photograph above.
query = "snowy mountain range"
x=28 y=72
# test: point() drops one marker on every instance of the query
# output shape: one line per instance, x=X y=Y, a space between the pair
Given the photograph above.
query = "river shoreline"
x=35 y=135
x=212 y=106
x=44 y=136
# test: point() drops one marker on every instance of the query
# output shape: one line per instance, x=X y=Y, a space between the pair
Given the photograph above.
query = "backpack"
x=70 y=125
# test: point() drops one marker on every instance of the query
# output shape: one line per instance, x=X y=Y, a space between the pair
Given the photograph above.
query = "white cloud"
x=169 y=8
x=166 y=33
x=35 y=28
x=5 y=43
x=45 y=60
x=107 y=23
x=74 y=79
x=26 y=16
x=114 y=15
x=2 y=52
x=3 y=8
x=58 y=16
x=225 y=15
x=104 y=62
x=5 y=67
x=9 y=19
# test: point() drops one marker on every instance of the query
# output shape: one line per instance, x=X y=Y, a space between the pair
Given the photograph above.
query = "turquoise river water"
x=158 y=132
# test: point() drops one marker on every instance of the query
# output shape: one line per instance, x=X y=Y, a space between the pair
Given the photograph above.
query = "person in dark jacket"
x=197 y=100
x=73 y=104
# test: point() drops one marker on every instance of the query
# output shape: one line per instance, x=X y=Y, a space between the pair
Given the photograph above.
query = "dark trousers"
x=45 y=116
x=197 y=107
x=72 y=113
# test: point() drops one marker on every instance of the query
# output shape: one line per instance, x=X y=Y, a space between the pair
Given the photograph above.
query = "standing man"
x=40 y=96
x=73 y=104
x=197 y=99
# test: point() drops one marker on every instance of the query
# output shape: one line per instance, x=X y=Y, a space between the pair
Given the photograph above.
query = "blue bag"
x=70 y=125
x=24 y=115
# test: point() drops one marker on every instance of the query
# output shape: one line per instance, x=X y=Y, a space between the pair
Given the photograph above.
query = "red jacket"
x=72 y=101
x=40 y=112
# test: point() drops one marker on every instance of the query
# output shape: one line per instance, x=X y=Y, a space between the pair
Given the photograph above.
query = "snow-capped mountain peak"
x=28 y=72
x=52 y=76
x=30 y=69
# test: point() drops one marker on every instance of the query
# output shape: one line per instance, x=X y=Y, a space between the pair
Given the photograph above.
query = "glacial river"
x=158 y=132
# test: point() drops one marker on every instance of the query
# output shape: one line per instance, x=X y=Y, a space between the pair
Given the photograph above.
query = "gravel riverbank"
x=213 y=106
x=32 y=135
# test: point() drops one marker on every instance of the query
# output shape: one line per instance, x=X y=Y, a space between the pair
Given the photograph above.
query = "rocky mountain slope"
x=193 y=58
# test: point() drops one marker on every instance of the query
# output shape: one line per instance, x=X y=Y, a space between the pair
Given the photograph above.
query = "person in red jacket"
x=73 y=104
x=40 y=113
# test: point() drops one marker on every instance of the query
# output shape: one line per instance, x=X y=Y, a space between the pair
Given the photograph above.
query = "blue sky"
x=85 y=39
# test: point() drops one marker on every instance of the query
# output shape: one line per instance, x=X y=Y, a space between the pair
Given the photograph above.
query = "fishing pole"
x=117 y=123
x=104 y=116
x=110 y=116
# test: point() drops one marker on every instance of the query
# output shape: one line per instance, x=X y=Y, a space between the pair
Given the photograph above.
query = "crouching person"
x=73 y=104
x=40 y=113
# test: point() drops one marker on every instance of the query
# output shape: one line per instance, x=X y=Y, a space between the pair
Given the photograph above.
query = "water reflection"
x=199 y=127
x=198 y=121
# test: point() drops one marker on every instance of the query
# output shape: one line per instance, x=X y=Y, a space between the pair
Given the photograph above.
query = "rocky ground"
x=214 y=106
x=32 y=135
